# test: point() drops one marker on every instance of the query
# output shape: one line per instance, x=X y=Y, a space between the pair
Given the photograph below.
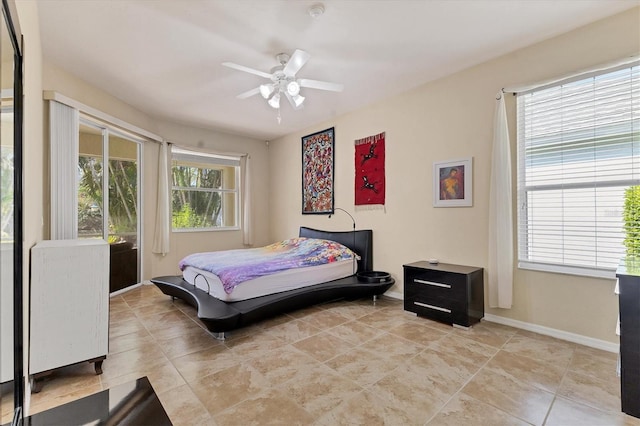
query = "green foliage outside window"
x=123 y=196
x=196 y=198
x=6 y=194
x=632 y=221
x=186 y=218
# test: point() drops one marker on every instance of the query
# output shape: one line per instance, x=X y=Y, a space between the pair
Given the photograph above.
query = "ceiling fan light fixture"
x=298 y=100
x=293 y=88
x=266 y=90
x=274 y=102
x=283 y=81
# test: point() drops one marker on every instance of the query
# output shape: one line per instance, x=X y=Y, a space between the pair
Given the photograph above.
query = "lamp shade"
x=266 y=90
x=298 y=100
x=274 y=102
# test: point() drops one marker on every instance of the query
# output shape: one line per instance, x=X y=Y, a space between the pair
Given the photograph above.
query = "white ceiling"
x=164 y=56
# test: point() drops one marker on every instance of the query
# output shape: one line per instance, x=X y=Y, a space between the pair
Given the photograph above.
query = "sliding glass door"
x=113 y=183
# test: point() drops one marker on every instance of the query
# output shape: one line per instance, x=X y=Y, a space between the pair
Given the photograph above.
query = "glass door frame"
x=106 y=131
x=12 y=24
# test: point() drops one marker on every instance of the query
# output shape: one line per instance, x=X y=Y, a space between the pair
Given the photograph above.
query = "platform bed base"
x=220 y=317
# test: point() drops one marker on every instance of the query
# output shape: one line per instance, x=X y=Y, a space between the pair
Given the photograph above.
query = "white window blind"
x=578 y=151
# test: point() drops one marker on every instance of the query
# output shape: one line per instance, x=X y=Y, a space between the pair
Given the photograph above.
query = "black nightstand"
x=453 y=294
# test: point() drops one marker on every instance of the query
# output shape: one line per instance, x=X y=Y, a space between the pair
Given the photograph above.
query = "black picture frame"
x=318 y=156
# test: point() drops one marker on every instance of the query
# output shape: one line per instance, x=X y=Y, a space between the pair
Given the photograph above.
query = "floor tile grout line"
x=363 y=388
x=471 y=378
x=463 y=385
x=176 y=368
x=553 y=401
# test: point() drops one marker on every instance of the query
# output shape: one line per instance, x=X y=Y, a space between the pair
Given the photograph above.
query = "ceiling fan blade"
x=297 y=61
x=321 y=85
x=246 y=69
x=293 y=102
x=249 y=93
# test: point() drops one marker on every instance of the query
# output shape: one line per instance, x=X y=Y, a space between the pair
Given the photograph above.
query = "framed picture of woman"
x=452 y=183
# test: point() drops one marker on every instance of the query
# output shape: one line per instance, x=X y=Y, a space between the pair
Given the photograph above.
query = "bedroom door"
x=113 y=183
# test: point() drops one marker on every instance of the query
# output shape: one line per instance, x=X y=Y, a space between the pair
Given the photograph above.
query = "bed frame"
x=220 y=317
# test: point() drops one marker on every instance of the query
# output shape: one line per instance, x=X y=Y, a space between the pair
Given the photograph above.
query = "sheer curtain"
x=247 y=229
x=163 y=208
x=163 y=211
x=500 y=270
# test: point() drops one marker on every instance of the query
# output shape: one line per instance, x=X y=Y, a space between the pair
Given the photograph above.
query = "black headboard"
x=360 y=242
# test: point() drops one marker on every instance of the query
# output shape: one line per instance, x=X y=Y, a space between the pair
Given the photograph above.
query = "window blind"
x=578 y=151
x=187 y=156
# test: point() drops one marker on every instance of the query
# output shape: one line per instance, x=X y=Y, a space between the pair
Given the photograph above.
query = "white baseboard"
x=547 y=331
x=394 y=295
x=559 y=334
x=124 y=290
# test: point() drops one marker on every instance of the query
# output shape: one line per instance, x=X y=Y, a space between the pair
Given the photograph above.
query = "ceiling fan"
x=284 y=81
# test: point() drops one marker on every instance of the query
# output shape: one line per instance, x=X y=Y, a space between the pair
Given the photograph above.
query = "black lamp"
x=353 y=247
x=352 y=219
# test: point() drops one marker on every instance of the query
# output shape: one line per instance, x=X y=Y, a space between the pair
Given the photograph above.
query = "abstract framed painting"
x=317 y=172
x=452 y=183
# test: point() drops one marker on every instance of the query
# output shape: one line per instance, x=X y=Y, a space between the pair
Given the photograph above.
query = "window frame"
x=524 y=188
x=216 y=162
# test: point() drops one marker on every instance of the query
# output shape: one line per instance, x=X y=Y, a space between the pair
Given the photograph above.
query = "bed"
x=221 y=315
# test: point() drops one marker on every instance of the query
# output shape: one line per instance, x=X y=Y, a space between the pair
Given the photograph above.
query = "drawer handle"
x=437 y=308
x=432 y=283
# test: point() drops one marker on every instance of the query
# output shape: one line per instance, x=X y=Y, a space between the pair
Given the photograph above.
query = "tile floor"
x=344 y=363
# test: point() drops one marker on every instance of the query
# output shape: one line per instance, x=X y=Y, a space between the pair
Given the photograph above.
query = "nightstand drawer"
x=444 y=292
x=437 y=282
x=432 y=295
x=429 y=310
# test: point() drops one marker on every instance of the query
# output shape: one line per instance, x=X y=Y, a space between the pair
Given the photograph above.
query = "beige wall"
x=184 y=243
x=56 y=79
x=448 y=119
x=33 y=132
x=34 y=156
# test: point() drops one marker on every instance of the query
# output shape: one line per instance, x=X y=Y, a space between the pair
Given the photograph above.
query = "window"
x=204 y=191
x=578 y=151
x=120 y=221
x=6 y=193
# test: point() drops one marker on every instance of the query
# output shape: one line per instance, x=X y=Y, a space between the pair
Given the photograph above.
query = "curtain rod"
x=574 y=76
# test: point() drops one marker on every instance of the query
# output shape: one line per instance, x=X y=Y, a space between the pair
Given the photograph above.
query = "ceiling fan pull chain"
x=279 y=118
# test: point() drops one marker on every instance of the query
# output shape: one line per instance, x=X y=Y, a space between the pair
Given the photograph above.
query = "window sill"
x=191 y=230
x=609 y=274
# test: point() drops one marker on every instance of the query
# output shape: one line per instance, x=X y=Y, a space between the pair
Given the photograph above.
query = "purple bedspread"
x=236 y=266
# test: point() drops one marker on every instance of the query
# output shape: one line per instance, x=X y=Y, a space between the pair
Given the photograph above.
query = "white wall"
x=448 y=119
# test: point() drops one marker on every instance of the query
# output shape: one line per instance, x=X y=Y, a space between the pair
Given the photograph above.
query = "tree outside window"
x=204 y=196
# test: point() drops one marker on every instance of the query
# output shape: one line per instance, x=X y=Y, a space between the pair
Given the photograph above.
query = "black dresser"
x=453 y=294
x=629 y=299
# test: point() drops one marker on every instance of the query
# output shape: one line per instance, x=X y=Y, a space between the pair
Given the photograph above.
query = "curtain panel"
x=500 y=269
